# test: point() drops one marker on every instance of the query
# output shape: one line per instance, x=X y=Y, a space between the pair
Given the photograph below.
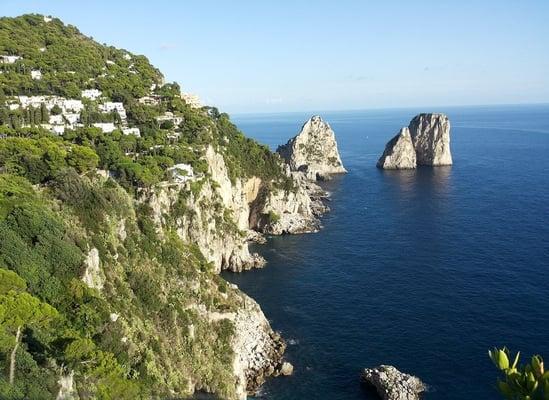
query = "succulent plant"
x=521 y=382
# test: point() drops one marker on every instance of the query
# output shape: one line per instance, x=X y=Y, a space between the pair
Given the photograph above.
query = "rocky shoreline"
x=255 y=209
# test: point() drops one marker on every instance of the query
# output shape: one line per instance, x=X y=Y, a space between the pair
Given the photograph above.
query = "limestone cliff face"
x=431 y=136
x=219 y=215
x=194 y=209
x=258 y=350
x=426 y=141
x=399 y=152
x=313 y=151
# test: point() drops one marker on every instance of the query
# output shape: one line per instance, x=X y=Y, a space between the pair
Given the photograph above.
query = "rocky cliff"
x=313 y=151
x=219 y=216
x=426 y=141
x=431 y=136
x=138 y=219
x=399 y=152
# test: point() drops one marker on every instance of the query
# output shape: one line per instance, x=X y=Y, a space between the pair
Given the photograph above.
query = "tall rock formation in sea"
x=313 y=151
x=399 y=152
x=426 y=141
x=431 y=137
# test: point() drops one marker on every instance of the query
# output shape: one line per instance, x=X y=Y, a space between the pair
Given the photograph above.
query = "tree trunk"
x=13 y=353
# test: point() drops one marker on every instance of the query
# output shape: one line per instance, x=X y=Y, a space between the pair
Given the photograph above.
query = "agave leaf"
x=503 y=360
x=515 y=362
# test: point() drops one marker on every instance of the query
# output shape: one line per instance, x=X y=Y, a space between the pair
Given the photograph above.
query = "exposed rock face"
x=258 y=350
x=313 y=151
x=391 y=384
x=431 y=136
x=279 y=212
x=251 y=206
x=66 y=387
x=399 y=152
x=426 y=141
x=93 y=275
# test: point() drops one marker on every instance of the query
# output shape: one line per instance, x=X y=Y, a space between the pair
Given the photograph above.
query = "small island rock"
x=399 y=152
x=391 y=384
x=287 y=369
x=431 y=137
x=426 y=141
x=313 y=151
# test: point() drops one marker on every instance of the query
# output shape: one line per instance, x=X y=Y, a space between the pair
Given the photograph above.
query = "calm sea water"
x=426 y=269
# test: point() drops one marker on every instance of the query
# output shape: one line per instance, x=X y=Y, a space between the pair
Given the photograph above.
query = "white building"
x=92 y=94
x=150 y=100
x=36 y=101
x=59 y=129
x=71 y=118
x=168 y=116
x=192 y=100
x=181 y=173
x=131 y=131
x=106 y=127
x=9 y=59
x=127 y=56
x=56 y=120
x=73 y=105
x=47 y=19
x=113 y=106
x=36 y=74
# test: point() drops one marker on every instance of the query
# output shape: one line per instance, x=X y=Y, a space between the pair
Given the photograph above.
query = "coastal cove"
x=424 y=269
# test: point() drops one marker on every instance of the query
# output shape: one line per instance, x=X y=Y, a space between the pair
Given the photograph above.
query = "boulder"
x=399 y=152
x=391 y=384
x=313 y=151
x=431 y=136
x=286 y=369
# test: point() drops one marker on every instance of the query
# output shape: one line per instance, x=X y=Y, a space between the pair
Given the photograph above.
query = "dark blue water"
x=423 y=269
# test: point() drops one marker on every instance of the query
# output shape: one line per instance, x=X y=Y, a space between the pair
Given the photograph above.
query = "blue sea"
x=425 y=270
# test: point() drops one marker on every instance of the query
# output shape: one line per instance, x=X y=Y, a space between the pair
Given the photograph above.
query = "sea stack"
x=313 y=151
x=391 y=384
x=431 y=137
x=399 y=152
x=426 y=141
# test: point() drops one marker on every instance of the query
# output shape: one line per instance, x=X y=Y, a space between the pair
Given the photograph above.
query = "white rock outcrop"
x=426 y=141
x=391 y=384
x=67 y=390
x=93 y=275
x=246 y=204
x=258 y=350
x=313 y=151
x=399 y=152
x=431 y=136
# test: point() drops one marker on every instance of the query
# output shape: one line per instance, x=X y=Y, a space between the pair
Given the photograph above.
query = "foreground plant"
x=521 y=382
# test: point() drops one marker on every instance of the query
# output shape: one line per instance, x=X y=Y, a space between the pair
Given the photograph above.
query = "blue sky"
x=259 y=56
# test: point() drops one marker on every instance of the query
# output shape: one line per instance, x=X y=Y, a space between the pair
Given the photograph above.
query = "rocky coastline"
x=254 y=209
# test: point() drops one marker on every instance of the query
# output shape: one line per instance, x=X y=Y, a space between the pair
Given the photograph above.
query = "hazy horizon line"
x=545 y=103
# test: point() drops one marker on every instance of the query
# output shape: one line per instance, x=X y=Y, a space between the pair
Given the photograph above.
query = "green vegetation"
x=273 y=217
x=69 y=62
x=146 y=332
x=520 y=382
x=49 y=317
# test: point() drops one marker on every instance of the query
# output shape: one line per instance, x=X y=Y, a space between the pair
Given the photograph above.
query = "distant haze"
x=249 y=56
